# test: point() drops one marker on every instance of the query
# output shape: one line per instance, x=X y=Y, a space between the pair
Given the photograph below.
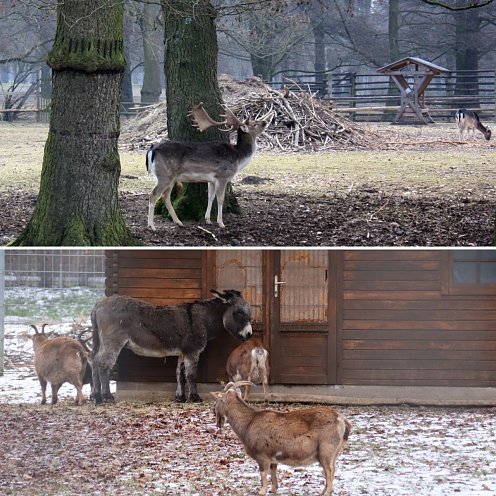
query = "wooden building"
x=340 y=325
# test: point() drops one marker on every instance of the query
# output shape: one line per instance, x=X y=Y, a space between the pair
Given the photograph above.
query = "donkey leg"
x=103 y=362
x=96 y=387
x=181 y=381
x=191 y=367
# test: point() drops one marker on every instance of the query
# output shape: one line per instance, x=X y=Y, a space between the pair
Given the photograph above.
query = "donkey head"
x=237 y=315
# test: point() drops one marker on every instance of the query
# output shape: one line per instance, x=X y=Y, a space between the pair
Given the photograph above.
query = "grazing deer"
x=215 y=163
x=468 y=120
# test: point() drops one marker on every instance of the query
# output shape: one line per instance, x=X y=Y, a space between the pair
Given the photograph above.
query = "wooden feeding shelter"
x=412 y=96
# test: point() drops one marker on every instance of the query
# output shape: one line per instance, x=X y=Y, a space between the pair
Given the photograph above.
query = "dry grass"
x=411 y=161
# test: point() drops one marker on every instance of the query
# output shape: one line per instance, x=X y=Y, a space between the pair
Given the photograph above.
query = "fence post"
x=2 y=309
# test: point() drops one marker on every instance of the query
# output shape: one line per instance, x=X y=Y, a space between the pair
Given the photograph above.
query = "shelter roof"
x=407 y=61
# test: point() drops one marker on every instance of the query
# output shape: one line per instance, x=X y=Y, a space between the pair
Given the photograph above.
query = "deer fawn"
x=215 y=163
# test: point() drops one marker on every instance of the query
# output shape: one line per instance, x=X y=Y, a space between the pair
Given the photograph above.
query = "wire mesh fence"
x=56 y=287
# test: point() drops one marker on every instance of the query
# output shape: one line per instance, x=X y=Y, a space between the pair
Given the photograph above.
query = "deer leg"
x=221 y=192
x=166 y=195
x=181 y=380
x=211 y=195
x=43 y=385
x=190 y=368
x=152 y=199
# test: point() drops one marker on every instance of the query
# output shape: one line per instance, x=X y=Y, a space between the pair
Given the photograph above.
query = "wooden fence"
x=360 y=96
x=372 y=97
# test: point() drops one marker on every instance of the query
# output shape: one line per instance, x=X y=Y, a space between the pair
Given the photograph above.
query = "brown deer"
x=58 y=360
x=468 y=120
x=296 y=438
x=212 y=162
x=249 y=362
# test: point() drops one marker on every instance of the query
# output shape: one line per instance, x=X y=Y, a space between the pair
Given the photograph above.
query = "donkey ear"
x=224 y=297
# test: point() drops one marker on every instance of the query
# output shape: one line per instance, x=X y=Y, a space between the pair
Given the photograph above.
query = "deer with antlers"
x=212 y=162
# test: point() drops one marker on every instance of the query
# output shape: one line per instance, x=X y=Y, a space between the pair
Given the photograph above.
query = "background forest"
x=266 y=38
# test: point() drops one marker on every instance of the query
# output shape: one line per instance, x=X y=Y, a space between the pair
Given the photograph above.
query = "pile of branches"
x=301 y=122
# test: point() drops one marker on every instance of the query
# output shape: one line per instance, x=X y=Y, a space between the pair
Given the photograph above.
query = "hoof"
x=195 y=399
x=108 y=398
x=180 y=399
x=97 y=397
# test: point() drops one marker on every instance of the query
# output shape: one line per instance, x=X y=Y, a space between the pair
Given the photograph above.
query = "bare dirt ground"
x=415 y=186
x=170 y=449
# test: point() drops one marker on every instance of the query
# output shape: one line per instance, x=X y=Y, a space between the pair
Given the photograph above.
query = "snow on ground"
x=394 y=451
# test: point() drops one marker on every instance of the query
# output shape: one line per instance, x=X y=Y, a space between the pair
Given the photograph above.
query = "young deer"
x=212 y=162
x=468 y=120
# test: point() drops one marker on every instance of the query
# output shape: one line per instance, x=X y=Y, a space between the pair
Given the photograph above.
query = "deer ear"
x=217 y=395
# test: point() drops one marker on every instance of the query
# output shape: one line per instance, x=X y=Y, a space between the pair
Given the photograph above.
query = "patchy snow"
x=172 y=449
x=19 y=384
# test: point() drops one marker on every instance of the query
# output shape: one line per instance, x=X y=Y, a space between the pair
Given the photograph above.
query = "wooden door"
x=303 y=316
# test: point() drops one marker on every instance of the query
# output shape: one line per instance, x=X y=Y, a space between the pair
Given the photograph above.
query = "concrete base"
x=335 y=395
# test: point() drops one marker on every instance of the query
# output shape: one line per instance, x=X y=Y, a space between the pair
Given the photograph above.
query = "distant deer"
x=214 y=162
x=468 y=120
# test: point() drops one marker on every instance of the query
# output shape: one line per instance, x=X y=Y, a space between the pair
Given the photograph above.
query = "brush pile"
x=301 y=122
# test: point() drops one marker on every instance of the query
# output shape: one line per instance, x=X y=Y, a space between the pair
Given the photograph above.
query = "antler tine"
x=201 y=119
x=231 y=118
x=43 y=328
x=35 y=328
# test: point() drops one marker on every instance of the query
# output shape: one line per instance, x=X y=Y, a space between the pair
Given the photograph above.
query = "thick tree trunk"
x=152 y=88
x=191 y=75
x=78 y=199
x=394 y=54
x=467 y=53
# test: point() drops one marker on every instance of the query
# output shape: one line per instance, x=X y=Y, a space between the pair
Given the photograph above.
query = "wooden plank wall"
x=162 y=277
x=397 y=327
x=166 y=277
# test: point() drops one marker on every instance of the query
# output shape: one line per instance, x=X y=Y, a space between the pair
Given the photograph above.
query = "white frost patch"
x=20 y=384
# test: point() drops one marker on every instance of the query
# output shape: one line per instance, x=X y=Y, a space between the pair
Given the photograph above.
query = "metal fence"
x=57 y=287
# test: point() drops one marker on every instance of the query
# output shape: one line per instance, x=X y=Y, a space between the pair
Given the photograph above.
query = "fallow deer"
x=212 y=162
x=468 y=120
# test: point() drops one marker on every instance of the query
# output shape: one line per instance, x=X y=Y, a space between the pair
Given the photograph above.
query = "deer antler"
x=202 y=121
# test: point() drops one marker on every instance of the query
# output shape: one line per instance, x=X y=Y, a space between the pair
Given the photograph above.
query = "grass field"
x=415 y=186
x=430 y=169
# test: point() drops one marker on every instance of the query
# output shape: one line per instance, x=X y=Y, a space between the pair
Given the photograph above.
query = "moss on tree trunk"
x=78 y=199
x=191 y=73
